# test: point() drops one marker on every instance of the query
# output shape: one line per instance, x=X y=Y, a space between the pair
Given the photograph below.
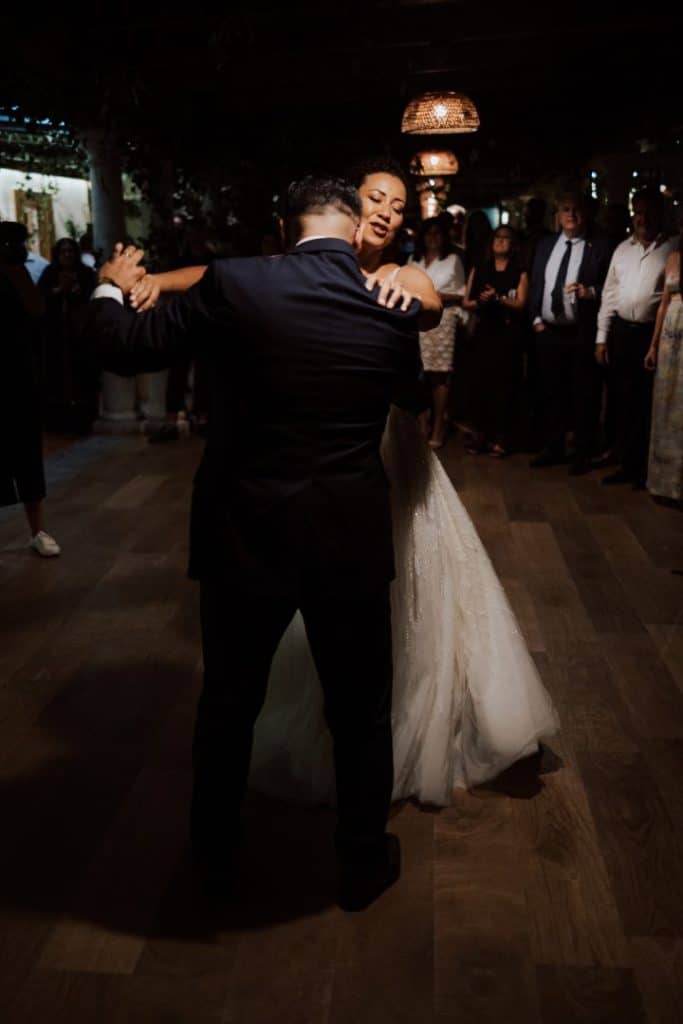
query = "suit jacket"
x=592 y=273
x=303 y=363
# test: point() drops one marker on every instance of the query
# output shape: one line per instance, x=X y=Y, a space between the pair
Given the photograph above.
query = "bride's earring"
x=358 y=237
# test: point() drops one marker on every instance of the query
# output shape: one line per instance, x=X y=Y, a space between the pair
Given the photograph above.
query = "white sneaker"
x=45 y=545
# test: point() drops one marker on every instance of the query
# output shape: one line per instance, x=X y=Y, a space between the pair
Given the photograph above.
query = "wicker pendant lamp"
x=440 y=113
x=434 y=161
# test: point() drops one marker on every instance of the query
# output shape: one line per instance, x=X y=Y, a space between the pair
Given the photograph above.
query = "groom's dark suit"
x=291 y=504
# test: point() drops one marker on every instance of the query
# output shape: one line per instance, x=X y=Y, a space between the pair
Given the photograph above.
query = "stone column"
x=152 y=397
x=109 y=226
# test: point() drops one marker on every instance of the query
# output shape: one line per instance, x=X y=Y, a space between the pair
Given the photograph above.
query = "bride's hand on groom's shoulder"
x=391 y=292
x=123 y=267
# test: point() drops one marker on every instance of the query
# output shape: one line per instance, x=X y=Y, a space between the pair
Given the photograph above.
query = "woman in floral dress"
x=665 y=471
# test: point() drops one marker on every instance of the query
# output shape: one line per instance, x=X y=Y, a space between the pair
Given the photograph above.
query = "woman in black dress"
x=496 y=294
x=21 y=445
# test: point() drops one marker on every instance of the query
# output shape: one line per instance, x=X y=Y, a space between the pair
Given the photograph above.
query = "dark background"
x=257 y=95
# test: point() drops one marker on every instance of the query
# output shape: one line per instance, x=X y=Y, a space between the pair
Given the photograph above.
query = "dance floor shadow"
x=286 y=870
x=98 y=833
x=95 y=796
x=523 y=780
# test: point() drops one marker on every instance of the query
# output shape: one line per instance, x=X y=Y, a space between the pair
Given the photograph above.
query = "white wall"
x=70 y=198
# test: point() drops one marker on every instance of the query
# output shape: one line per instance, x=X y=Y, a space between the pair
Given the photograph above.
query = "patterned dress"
x=436 y=346
x=665 y=474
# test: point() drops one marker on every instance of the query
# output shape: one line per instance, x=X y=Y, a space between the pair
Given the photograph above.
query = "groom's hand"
x=123 y=267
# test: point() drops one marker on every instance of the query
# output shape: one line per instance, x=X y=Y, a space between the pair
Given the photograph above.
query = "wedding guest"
x=87 y=247
x=617 y=222
x=460 y=378
x=535 y=212
x=35 y=264
x=497 y=294
x=432 y=254
x=454 y=225
x=566 y=284
x=478 y=233
x=22 y=478
x=630 y=299
x=457 y=226
x=71 y=384
x=665 y=473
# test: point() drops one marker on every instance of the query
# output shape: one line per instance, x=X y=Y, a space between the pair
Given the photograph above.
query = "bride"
x=468 y=701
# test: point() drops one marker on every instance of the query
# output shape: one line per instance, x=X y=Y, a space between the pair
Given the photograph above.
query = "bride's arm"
x=420 y=285
x=469 y=302
x=146 y=292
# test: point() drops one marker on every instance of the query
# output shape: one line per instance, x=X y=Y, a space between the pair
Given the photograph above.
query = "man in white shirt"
x=36 y=264
x=630 y=299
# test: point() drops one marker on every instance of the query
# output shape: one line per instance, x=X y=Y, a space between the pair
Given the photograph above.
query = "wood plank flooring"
x=554 y=894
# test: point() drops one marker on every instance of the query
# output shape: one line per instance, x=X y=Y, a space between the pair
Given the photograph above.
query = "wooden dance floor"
x=553 y=896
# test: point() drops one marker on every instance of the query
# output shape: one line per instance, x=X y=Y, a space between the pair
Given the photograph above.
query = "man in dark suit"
x=566 y=283
x=291 y=505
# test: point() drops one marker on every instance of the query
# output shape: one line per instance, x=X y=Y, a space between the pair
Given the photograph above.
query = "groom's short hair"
x=316 y=194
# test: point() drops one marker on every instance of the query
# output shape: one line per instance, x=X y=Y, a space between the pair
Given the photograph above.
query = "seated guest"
x=497 y=294
x=630 y=299
x=665 y=474
x=436 y=346
x=21 y=445
x=566 y=284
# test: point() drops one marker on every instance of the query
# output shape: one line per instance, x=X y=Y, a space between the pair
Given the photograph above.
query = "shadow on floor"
x=99 y=832
x=523 y=780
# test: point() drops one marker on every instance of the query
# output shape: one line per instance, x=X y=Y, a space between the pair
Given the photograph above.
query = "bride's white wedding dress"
x=468 y=700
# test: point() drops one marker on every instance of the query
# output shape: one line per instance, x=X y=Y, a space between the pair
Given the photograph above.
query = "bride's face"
x=384 y=200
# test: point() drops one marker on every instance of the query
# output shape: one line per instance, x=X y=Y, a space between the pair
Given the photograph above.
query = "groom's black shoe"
x=363 y=878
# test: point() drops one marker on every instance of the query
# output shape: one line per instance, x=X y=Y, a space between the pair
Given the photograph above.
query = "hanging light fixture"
x=440 y=113
x=434 y=161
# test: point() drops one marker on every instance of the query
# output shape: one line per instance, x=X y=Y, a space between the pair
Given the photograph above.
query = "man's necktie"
x=557 y=294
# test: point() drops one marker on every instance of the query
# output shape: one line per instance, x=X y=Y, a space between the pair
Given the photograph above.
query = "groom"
x=291 y=505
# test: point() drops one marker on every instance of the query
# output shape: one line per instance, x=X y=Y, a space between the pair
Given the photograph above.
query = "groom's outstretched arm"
x=127 y=342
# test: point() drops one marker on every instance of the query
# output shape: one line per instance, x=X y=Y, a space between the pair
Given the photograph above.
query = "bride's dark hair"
x=376 y=165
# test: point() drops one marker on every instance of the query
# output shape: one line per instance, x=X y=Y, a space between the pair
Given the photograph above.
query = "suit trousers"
x=568 y=382
x=350 y=640
x=631 y=386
